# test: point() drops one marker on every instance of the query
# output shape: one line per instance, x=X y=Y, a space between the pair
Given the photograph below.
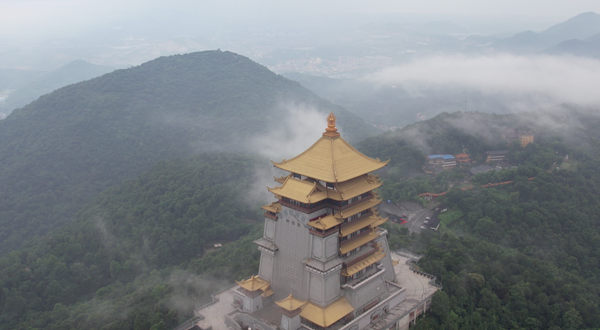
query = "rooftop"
x=331 y=159
x=440 y=156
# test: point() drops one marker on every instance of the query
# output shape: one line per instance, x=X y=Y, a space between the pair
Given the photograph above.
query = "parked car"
x=425 y=221
x=423 y=227
x=428 y=218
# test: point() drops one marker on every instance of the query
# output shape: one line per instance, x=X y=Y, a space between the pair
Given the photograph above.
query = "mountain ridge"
x=67 y=146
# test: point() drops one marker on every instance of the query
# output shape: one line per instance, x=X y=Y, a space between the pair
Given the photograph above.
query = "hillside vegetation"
x=125 y=250
x=60 y=151
x=522 y=256
x=71 y=73
x=518 y=256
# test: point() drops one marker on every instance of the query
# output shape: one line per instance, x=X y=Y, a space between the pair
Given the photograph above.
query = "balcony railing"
x=364 y=256
x=354 y=238
x=347 y=206
x=323 y=233
x=271 y=216
x=349 y=223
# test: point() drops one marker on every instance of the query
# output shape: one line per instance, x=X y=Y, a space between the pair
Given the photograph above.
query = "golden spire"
x=331 y=130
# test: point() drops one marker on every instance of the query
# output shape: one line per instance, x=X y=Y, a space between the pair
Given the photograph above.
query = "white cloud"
x=554 y=79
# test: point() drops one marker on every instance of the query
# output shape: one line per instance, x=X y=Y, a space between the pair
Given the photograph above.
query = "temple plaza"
x=325 y=261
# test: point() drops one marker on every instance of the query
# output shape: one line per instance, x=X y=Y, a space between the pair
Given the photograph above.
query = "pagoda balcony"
x=347 y=206
x=271 y=215
x=350 y=223
x=311 y=207
x=355 y=238
x=322 y=233
x=361 y=257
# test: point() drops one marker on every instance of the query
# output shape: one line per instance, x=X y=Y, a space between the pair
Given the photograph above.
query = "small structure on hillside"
x=496 y=155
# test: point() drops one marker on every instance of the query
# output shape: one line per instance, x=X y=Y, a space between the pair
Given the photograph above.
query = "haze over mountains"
x=69 y=145
x=25 y=93
x=115 y=189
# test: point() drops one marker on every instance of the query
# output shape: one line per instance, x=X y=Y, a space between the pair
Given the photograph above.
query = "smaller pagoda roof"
x=358 y=225
x=274 y=207
x=359 y=208
x=379 y=222
x=254 y=283
x=357 y=267
x=358 y=242
x=352 y=188
x=267 y=293
x=300 y=190
x=290 y=303
x=326 y=222
x=281 y=179
x=326 y=316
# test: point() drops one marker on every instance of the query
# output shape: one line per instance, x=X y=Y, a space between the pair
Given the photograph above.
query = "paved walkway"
x=417 y=286
x=214 y=315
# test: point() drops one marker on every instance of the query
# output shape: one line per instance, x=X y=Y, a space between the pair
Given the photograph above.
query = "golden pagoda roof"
x=326 y=316
x=379 y=222
x=326 y=222
x=290 y=303
x=331 y=159
x=254 y=283
x=358 y=242
x=281 y=179
x=268 y=292
x=299 y=190
x=357 y=267
x=312 y=191
x=359 y=208
x=360 y=224
x=273 y=207
x=352 y=188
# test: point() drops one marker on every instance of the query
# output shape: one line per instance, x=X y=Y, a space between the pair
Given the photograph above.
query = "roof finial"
x=331 y=130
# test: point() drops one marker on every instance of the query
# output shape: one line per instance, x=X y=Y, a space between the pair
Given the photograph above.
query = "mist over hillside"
x=115 y=190
x=71 y=73
x=64 y=148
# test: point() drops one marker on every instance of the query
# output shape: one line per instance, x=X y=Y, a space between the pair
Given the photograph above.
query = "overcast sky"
x=45 y=16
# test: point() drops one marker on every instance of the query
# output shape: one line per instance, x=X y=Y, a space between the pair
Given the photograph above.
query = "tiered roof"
x=326 y=222
x=372 y=221
x=358 y=242
x=331 y=159
x=273 y=207
x=256 y=283
x=357 y=267
x=311 y=191
x=326 y=316
x=290 y=303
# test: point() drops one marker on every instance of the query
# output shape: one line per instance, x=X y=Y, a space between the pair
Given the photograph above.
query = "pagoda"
x=324 y=259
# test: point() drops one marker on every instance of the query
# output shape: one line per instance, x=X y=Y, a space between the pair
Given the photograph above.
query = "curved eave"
x=331 y=159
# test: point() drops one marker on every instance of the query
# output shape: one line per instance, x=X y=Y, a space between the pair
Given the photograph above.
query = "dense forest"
x=63 y=149
x=125 y=248
x=522 y=255
x=139 y=216
x=71 y=73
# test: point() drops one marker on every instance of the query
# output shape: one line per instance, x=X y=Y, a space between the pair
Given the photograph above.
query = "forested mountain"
x=112 y=266
x=71 y=73
x=61 y=150
x=523 y=255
